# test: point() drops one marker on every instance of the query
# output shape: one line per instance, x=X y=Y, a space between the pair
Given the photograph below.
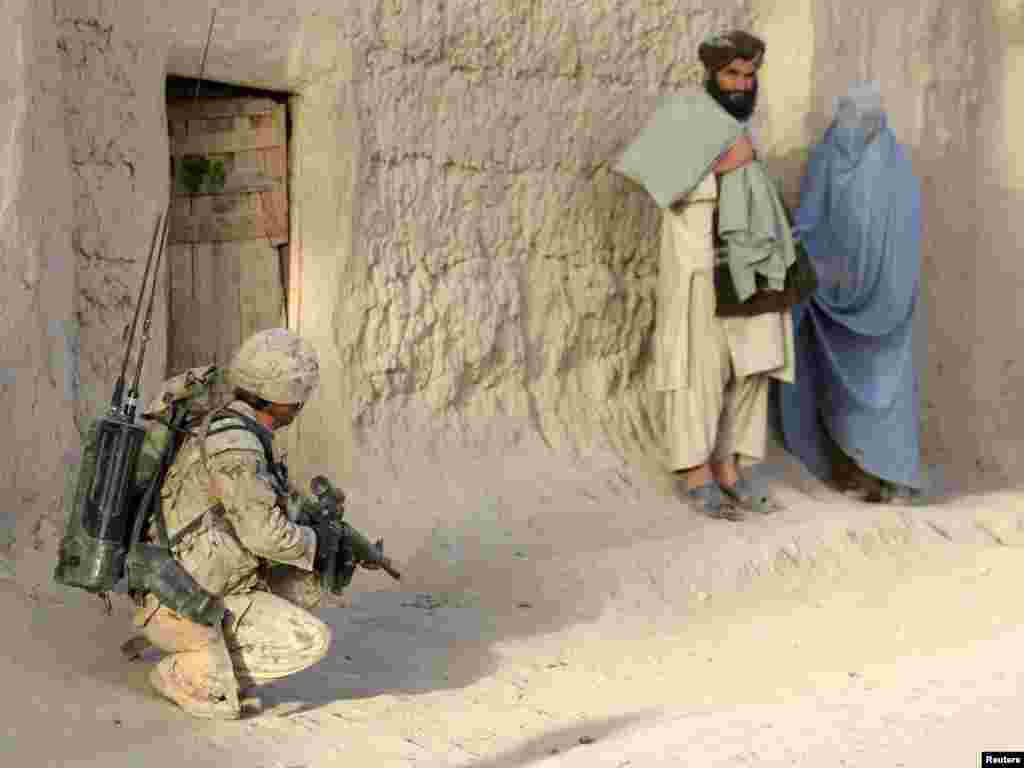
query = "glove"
x=334 y=561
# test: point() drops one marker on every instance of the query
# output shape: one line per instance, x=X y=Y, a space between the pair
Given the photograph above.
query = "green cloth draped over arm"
x=753 y=224
x=677 y=148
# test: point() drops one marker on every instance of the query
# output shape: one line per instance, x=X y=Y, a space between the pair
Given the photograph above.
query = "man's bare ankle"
x=695 y=477
x=726 y=472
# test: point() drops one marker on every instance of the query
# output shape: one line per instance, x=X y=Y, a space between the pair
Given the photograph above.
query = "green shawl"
x=677 y=148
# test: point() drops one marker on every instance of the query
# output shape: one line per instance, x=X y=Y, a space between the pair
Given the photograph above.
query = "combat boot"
x=166 y=679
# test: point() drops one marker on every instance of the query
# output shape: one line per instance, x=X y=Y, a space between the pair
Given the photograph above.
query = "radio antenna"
x=206 y=50
x=133 y=393
x=115 y=401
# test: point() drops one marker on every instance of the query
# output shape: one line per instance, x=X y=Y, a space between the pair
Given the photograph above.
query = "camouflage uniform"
x=239 y=543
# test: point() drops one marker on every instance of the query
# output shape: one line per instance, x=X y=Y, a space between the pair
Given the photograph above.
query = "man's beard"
x=739 y=104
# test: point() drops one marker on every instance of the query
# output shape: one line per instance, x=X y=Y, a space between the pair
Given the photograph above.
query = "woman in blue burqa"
x=852 y=414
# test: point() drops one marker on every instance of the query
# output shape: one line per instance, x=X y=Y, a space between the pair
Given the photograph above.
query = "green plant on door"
x=199 y=172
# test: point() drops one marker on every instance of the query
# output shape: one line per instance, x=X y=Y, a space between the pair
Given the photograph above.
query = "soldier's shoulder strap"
x=225 y=429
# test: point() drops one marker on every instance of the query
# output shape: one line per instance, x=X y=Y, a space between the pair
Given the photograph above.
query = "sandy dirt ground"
x=895 y=652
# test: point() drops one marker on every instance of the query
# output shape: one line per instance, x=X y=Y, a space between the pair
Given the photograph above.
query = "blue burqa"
x=859 y=219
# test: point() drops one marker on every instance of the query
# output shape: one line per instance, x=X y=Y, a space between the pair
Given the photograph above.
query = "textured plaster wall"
x=999 y=413
x=499 y=288
x=112 y=67
x=1014 y=109
x=1010 y=23
x=38 y=356
x=787 y=79
x=324 y=156
x=475 y=278
x=84 y=172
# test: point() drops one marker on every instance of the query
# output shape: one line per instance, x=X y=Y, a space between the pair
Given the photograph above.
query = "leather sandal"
x=710 y=500
x=752 y=496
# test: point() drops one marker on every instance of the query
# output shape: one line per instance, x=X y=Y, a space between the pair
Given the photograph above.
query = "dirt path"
x=878 y=662
x=915 y=663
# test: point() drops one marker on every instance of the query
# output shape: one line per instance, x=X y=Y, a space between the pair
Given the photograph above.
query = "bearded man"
x=713 y=361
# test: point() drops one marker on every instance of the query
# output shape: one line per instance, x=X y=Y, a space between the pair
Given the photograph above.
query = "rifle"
x=328 y=506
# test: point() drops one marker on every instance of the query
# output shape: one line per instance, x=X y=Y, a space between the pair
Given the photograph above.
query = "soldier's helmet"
x=276 y=365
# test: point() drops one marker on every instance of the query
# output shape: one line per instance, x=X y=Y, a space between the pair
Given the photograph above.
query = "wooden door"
x=227 y=247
